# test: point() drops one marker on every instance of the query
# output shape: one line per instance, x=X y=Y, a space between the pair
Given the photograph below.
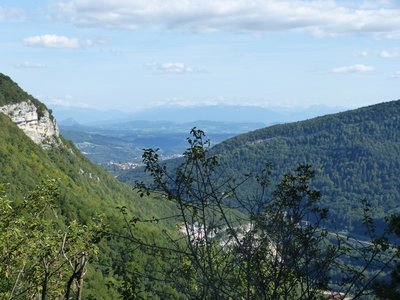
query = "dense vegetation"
x=279 y=248
x=40 y=255
x=84 y=191
x=356 y=155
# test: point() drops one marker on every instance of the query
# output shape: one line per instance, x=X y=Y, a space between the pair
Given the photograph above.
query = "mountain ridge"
x=11 y=93
x=28 y=113
x=86 y=190
x=356 y=155
x=190 y=113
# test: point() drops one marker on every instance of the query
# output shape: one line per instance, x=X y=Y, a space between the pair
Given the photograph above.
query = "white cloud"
x=359 y=68
x=390 y=53
x=51 y=41
x=171 y=67
x=319 y=18
x=64 y=102
x=221 y=100
x=31 y=65
x=60 y=41
x=396 y=75
x=363 y=54
x=11 y=14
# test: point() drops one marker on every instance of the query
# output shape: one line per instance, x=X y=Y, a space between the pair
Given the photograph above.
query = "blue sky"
x=135 y=54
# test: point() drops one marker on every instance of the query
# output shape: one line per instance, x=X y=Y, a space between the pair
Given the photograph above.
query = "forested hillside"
x=85 y=191
x=356 y=156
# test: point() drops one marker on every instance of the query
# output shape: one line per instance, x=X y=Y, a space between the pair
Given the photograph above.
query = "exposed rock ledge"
x=43 y=129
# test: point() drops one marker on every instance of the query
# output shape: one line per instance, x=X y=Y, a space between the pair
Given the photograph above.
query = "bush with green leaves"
x=40 y=256
x=259 y=245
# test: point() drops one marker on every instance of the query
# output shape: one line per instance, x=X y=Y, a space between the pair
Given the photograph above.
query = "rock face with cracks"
x=40 y=127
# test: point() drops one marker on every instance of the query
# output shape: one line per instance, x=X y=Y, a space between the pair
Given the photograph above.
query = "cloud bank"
x=320 y=18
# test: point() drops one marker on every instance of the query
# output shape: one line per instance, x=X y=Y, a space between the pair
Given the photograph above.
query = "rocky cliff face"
x=39 y=126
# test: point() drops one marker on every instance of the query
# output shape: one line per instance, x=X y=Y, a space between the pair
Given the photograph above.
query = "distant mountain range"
x=187 y=114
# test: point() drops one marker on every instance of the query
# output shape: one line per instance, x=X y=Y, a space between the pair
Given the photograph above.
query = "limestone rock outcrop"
x=39 y=126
